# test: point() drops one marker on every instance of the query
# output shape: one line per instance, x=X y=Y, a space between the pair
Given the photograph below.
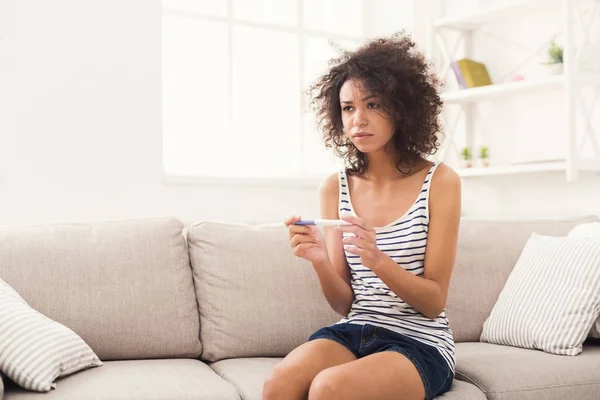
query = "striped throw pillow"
x=551 y=298
x=588 y=229
x=35 y=350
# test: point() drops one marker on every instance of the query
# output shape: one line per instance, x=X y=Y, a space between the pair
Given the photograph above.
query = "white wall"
x=82 y=136
x=80 y=128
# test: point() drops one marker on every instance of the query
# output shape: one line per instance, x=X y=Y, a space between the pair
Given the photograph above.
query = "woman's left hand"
x=364 y=243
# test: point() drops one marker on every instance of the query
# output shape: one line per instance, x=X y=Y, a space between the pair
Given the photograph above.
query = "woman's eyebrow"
x=371 y=96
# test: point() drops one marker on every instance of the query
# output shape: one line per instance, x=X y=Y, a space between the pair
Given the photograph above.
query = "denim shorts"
x=363 y=340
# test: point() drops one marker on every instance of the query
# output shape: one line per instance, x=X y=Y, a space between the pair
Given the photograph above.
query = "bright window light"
x=234 y=76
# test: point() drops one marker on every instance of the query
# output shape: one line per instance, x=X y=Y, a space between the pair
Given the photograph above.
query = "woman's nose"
x=359 y=118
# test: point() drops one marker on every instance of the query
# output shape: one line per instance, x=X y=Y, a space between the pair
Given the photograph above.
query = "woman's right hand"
x=307 y=241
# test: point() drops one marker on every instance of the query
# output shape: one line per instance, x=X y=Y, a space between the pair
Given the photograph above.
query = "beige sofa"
x=206 y=312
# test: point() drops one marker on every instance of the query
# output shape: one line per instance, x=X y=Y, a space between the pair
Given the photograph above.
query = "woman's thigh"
x=387 y=375
x=291 y=378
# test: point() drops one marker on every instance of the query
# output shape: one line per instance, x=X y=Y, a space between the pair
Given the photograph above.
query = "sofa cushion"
x=34 y=350
x=249 y=374
x=488 y=249
x=125 y=287
x=511 y=373
x=184 y=379
x=551 y=298
x=462 y=390
x=256 y=298
x=590 y=229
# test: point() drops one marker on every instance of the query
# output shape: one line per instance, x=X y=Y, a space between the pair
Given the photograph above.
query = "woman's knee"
x=328 y=384
x=282 y=383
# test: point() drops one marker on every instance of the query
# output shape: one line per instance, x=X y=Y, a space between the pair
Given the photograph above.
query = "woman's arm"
x=426 y=294
x=334 y=273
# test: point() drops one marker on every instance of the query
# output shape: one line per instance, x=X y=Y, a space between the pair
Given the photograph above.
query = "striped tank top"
x=404 y=240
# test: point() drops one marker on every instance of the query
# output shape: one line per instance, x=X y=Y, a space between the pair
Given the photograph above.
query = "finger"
x=301 y=248
x=356 y=230
x=355 y=241
x=298 y=230
x=289 y=221
x=353 y=219
x=357 y=251
x=300 y=239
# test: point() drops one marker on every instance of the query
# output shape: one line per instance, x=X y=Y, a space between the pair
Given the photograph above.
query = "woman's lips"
x=362 y=135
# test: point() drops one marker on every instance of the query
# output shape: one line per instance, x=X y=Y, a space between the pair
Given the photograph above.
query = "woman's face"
x=365 y=122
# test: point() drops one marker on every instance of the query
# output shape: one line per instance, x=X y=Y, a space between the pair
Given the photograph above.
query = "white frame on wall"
x=303 y=33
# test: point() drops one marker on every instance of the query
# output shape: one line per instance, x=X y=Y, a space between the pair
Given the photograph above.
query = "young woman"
x=387 y=273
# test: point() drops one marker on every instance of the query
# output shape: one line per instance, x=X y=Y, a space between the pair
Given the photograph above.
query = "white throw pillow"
x=551 y=298
x=589 y=229
x=35 y=350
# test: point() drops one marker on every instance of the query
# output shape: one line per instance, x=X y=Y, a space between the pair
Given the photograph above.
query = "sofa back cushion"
x=125 y=287
x=256 y=299
x=487 y=252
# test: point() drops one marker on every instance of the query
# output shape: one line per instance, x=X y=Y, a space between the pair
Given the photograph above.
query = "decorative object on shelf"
x=470 y=73
x=453 y=38
x=467 y=156
x=484 y=156
x=554 y=65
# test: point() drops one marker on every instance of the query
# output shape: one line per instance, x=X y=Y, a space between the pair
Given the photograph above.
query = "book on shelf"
x=470 y=73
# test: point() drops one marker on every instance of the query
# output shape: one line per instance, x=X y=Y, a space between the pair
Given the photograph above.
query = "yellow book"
x=474 y=73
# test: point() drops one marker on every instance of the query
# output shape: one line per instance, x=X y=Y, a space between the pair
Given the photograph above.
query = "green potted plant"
x=467 y=156
x=554 y=62
x=484 y=156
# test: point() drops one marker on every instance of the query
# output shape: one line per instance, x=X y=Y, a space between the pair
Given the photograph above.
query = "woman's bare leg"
x=291 y=378
x=387 y=376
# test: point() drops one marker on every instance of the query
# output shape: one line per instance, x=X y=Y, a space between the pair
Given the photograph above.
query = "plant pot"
x=467 y=164
x=484 y=162
x=554 y=69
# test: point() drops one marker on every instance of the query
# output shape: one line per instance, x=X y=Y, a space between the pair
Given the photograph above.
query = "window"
x=234 y=77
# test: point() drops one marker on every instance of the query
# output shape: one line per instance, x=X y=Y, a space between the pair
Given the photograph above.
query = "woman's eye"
x=347 y=108
x=373 y=105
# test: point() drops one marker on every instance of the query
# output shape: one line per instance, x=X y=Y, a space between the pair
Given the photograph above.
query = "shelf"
x=513 y=169
x=502 y=89
x=479 y=18
x=522 y=87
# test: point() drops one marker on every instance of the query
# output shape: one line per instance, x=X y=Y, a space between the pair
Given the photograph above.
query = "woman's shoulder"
x=329 y=196
x=445 y=184
x=445 y=175
x=330 y=184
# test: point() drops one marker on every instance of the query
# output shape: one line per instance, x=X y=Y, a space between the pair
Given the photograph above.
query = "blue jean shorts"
x=363 y=340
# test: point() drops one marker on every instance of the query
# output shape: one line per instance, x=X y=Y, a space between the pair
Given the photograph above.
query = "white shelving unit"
x=571 y=82
x=480 y=18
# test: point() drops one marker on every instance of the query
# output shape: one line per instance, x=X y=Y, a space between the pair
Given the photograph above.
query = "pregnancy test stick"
x=322 y=222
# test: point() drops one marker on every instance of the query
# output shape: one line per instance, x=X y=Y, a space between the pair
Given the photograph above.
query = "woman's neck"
x=382 y=168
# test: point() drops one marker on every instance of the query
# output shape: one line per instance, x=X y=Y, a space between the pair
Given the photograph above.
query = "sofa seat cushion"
x=249 y=374
x=137 y=379
x=462 y=390
x=511 y=373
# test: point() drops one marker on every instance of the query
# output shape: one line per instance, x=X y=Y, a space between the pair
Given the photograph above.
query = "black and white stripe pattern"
x=405 y=241
x=551 y=298
x=35 y=350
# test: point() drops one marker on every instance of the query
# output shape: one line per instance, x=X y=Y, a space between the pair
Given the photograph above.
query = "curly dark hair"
x=395 y=71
